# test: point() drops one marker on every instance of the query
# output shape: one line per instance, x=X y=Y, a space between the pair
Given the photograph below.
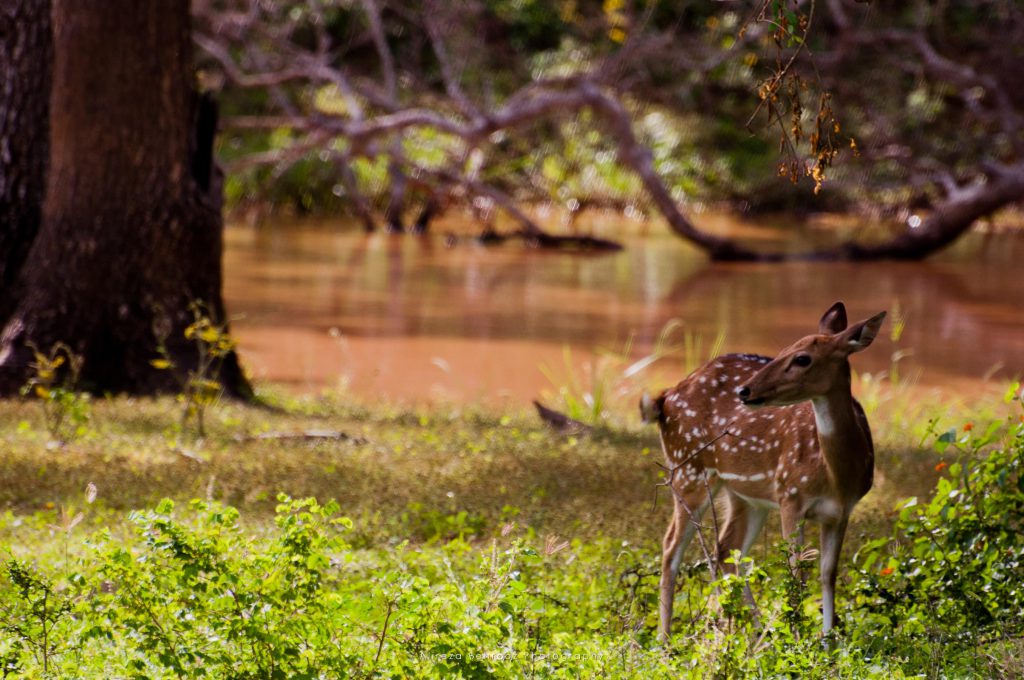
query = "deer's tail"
x=652 y=408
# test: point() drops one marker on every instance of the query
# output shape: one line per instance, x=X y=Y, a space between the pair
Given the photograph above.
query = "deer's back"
x=705 y=427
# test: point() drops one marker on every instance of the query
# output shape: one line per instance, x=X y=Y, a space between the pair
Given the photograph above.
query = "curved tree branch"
x=948 y=221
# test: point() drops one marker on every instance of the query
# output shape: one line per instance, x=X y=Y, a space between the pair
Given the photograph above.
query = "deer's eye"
x=802 y=360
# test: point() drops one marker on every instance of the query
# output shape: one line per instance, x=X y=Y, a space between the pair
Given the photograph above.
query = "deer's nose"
x=744 y=393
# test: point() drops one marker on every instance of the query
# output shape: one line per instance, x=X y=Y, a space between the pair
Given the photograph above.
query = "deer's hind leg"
x=743 y=524
x=690 y=505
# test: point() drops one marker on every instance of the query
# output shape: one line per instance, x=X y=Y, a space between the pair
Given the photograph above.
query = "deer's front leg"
x=831 y=545
x=793 y=533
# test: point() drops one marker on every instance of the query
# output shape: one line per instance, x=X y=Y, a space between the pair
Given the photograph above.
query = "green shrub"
x=34 y=617
x=952 y=574
x=54 y=382
x=201 y=598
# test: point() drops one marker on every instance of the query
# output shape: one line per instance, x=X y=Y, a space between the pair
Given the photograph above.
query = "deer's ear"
x=858 y=336
x=834 y=320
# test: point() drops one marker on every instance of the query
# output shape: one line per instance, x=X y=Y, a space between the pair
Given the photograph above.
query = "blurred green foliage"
x=690 y=76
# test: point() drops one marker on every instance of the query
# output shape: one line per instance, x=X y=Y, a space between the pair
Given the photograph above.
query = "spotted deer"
x=767 y=433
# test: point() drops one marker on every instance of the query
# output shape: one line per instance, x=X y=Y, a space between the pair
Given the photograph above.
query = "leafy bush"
x=54 y=381
x=203 y=599
x=34 y=618
x=195 y=595
x=952 y=575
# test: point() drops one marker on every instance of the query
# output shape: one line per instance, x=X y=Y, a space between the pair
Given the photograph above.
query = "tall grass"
x=608 y=385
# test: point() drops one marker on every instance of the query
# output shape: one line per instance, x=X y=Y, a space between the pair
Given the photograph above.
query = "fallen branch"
x=529 y=232
x=559 y=422
x=947 y=222
x=550 y=241
x=304 y=435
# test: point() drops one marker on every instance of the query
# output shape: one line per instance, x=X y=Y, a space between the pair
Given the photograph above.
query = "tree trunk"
x=25 y=56
x=130 y=234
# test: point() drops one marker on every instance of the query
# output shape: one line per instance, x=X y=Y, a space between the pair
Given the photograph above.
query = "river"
x=408 y=319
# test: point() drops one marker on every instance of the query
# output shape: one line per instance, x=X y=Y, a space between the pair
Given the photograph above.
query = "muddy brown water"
x=411 y=320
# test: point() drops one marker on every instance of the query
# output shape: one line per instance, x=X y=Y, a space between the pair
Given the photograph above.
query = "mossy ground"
x=402 y=471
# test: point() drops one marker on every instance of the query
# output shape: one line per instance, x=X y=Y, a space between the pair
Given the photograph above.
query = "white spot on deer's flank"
x=729 y=476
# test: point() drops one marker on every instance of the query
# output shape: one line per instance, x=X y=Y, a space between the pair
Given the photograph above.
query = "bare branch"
x=387 y=60
x=451 y=82
x=240 y=78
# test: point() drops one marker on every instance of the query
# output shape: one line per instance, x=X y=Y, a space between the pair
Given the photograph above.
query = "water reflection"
x=410 y=319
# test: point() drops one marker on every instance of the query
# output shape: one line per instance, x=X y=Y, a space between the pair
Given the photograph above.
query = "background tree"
x=25 y=54
x=131 y=230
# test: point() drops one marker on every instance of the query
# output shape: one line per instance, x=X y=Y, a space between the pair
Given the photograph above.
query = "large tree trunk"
x=25 y=55
x=130 y=235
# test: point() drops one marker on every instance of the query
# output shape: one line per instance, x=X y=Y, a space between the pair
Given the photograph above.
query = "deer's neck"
x=844 y=445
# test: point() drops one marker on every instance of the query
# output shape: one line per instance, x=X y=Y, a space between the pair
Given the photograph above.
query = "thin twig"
x=384 y=632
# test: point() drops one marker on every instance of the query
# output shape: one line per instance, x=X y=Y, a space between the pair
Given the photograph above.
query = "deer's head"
x=814 y=365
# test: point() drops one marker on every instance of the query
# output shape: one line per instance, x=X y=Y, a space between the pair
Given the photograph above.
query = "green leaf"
x=1012 y=392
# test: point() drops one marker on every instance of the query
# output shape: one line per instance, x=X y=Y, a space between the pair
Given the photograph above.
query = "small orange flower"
x=941 y=466
x=886 y=571
x=968 y=427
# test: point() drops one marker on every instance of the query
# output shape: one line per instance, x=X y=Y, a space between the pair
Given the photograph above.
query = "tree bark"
x=131 y=231
x=25 y=58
